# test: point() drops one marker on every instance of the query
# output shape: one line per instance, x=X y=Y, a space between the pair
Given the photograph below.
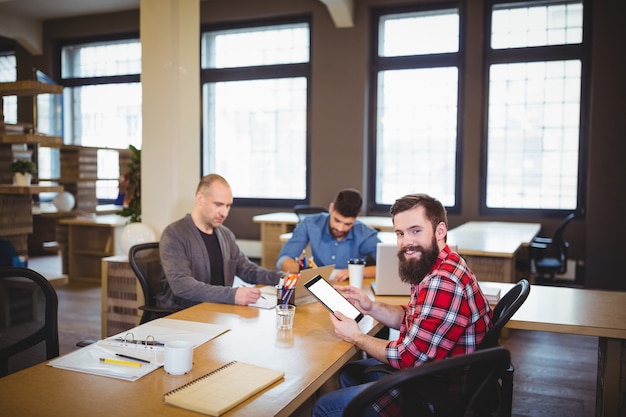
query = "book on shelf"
x=223 y=389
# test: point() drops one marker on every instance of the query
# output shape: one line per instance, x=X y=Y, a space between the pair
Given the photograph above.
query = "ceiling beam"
x=341 y=11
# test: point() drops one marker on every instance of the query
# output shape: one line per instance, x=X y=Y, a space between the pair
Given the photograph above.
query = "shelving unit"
x=79 y=173
x=16 y=219
x=89 y=239
x=21 y=141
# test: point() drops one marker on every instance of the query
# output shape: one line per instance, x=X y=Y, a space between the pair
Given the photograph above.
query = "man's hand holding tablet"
x=332 y=299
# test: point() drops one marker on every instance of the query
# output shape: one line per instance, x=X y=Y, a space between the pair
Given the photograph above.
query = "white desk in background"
x=275 y=224
x=491 y=249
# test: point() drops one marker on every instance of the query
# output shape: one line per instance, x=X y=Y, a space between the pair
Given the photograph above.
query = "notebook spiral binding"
x=205 y=376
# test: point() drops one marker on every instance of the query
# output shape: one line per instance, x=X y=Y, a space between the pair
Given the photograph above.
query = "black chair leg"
x=506 y=404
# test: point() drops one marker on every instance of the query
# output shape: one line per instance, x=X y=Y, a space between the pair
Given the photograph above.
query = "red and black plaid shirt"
x=447 y=316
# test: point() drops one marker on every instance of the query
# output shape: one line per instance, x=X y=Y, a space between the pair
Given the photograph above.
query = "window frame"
x=378 y=63
x=100 y=80
x=264 y=72
x=538 y=54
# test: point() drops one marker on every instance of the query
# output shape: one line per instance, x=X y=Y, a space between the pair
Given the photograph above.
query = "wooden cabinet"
x=121 y=296
x=89 y=239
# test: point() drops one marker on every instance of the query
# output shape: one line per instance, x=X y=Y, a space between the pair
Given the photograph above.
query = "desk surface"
x=107 y=220
x=562 y=310
x=492 y=238
x=310 y=354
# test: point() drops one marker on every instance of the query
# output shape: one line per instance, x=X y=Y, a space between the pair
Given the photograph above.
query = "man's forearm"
x=389 y=315
x=373 y=346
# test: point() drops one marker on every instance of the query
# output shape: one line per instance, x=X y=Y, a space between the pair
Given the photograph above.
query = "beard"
x=413 y=271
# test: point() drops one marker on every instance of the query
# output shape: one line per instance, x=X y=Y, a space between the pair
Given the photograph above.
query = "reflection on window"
x=417 y=105
x=557 y=24
x=419 y=33
x=534 y=110
x=101 y=59
x=417 y=132
x=8 y=73
x=103 y=111
x=255 y=122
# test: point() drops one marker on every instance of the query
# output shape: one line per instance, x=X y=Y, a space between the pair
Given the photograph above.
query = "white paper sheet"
x=162 y=330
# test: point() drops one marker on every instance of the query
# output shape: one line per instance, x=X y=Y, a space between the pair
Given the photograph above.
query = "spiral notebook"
x=222 y=389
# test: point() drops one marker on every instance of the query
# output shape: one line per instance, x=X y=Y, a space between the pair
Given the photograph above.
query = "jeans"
x=352 y=380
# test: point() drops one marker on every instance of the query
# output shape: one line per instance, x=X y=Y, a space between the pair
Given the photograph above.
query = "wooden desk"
x=491 y=249
x=89 y=239
x=275 y=224
x=309 y=355
x=581 y=312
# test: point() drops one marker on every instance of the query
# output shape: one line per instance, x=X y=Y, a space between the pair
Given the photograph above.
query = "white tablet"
x=332 y=299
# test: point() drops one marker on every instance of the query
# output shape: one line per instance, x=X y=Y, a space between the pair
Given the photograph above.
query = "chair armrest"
x=157 y=309
x=384 y=368
x=544 y=240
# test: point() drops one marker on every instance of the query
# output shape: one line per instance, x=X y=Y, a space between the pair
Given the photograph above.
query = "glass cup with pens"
x=285 y=305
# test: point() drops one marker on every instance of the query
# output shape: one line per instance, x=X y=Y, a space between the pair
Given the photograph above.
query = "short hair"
x=348 y=202
x=435 y=211
x=208 y=180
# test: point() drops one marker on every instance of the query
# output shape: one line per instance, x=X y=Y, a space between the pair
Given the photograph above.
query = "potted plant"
x=23 y=171
x=133 y=190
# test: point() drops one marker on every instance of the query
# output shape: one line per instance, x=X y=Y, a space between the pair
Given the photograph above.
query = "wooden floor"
x=555 y=374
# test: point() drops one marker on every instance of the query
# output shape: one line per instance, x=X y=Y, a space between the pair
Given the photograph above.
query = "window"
x=255 y=103
x=8 y=73
x=535 y=75
x=102 y=102
x=416 y=76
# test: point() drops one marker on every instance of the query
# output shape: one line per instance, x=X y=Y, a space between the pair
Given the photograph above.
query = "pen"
x=118 y=362
x=131 y=357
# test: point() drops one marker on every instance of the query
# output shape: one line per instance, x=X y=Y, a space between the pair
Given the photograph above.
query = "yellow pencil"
x=119 y=362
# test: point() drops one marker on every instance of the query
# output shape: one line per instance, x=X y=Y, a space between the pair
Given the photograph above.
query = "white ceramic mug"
x=178 y=357
x=355 y=272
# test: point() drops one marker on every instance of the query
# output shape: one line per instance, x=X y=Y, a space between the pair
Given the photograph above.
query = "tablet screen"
x=331 y=298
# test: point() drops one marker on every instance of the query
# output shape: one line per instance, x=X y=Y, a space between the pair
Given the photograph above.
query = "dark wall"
x=339 y=109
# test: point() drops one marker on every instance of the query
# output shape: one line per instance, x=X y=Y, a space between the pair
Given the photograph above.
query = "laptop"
x=304 y=296
x=301 y=294
x=388 y=280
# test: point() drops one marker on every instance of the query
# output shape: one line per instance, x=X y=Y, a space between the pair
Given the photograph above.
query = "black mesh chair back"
x=303 y=210
x=28 y=319
x=424 y=390
x=145 y=262
x=504 y=310
x=548 y=256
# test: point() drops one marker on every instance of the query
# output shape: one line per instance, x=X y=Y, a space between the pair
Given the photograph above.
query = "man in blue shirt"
x=335 y=237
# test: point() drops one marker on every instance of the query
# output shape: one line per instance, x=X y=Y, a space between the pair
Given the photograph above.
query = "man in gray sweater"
x=200 y=256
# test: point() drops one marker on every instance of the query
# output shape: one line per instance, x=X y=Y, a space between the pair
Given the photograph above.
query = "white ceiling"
x=54 y=9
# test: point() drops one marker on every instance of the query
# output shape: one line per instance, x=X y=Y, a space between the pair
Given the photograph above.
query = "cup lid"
x=356 y=261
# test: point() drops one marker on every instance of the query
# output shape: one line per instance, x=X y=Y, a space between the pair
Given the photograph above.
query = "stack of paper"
x=492 y=294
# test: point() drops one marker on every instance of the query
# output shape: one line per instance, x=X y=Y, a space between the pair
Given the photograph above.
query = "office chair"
x=29 y=316
x=145 y=262
x=425 y=390
x=548 y=256
x=303 y=210
x=502 y=313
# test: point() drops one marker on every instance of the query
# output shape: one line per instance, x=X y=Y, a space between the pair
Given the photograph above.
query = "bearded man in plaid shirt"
x=447 y=314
